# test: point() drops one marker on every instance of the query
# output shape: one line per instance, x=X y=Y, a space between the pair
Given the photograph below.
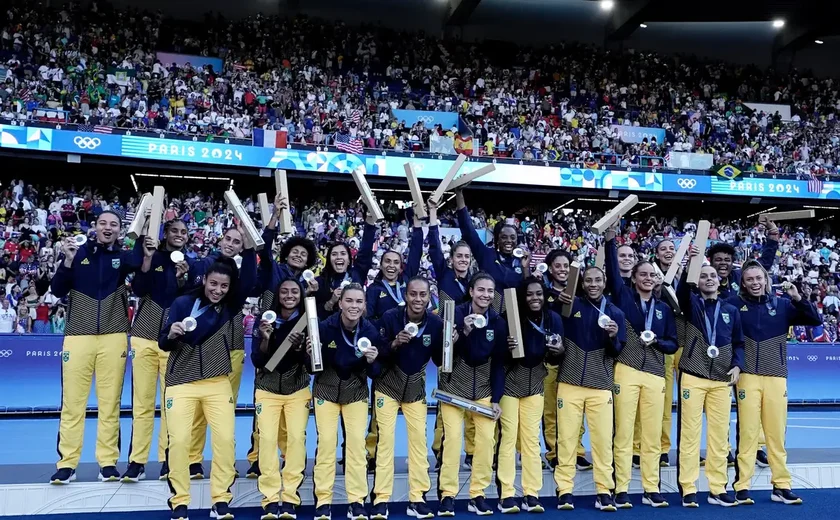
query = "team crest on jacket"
x=734 y=286
x=725 y=316
x=490 y=335
x=658 y=314
x=427 y=340
x=518 y=270
x=115 y=263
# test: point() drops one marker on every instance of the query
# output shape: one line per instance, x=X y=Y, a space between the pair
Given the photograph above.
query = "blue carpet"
x=819 y=503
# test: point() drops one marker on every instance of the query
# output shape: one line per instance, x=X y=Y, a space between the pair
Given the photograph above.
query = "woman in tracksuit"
x=478 y=374
x=711 y=363
x=341 y=394
x=231 y=246
x=584 y=386
x=297 y=254
x=197 y=377
x=522 y=402
x=762 y=388
x=342 y=268
x=555 y=279
x=282 y=395
x=157 y=283
x=402 y=386
x=639 y=376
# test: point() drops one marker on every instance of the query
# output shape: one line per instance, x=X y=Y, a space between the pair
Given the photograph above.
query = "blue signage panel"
x=508 y=172
x=445 y=119
x=637 y=134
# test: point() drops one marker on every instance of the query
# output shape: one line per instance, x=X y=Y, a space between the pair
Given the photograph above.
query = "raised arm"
x=415 y=249
x=668 y=343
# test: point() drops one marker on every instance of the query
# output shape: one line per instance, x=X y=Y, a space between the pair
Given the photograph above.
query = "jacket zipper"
x=99 y=296
x=585 y=360
x=757 y=342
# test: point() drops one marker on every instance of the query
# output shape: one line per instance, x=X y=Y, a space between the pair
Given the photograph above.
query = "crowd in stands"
x=34 y=219
x=315 y=79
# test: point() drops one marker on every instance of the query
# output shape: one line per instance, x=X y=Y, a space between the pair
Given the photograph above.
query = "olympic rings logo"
x=425 y=119
x=5 y=353
x=686 y=184
x=87 y=143
x=812 y=358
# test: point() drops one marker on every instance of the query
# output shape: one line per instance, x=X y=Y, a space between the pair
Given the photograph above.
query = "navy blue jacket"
x=449 y=285
x=404 y=368
x=482 y=346
x=505 y=270
x=379 y=301
x=357 y=273
x=732 y=284
x=157 y=289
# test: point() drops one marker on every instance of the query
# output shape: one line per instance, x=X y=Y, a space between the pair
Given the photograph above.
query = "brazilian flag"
x=729 y=172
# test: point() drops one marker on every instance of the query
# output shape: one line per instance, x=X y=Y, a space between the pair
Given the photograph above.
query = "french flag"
x=269 y=138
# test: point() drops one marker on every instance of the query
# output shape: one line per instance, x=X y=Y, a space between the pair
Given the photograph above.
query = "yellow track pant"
x=81 y=358
x=637 y=392
x=372 y=436
x=182 y=402
x=418 y=462
x=695 y=395
x=672 y=363
x=572 y=403
x=354 y=417
x=254 y=451
x=199 y=436
x=520 y=422
x=469 y=434
x=762 y=441
x=270 y=408
x=148 y=372
x=762 y=402
x=482 y=466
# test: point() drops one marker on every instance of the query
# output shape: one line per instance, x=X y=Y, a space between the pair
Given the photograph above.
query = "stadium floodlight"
x=819 y=42
x=643 y=25
x=778 y=23
x=607 y=5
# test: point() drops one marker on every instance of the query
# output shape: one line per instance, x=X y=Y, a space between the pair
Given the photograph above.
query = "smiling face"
x=754 y=281
x=709 y=281
x=559 y=269
x=461 y=259
x=391 y=266
x=340 y=258
x=289 y=294
x=665 y=252
x=417 y=296
x=352 y=304
x=644 y=278
x=507 y=240
x=232 y=243
x=216 y=286
x=626 y=259
x=594 y=283
x=298 y=256
x=107 y=228
x=534 y=297
x=722 y=262
x=482 y=293
x=176 y=235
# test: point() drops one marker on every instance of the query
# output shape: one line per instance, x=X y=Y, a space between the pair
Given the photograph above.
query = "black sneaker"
x=221 y=511
x=109 y=474
x=357 y=511
x=271 y=511
x=604 y=502
x=730 y=460
x=785 y=496
x=478 y=505
x=63 y=476
x=371 y=466
x=532 y=505
x=743 y=498
x=254 y=471
x=323 y=512
x=761 y=459
x=582 y=464
x=379 y=511
x=663 y=461
x=419 y=510
x=622 y=501
x=180 y=513
x=508 y=506
x=637 y=462
x=134 y=473
x=164 y=471
x=690 y=500
x=467 y=464
x=702 y=461
x=566 y=502
x=196 y=471
x=446 y=507
x=288 y=511
x=654 y=500
x=723 y=500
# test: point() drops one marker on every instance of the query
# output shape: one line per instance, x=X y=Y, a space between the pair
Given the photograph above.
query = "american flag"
x=355 y=117
x=815 y=184
x=96 y=129
x=346 y=143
